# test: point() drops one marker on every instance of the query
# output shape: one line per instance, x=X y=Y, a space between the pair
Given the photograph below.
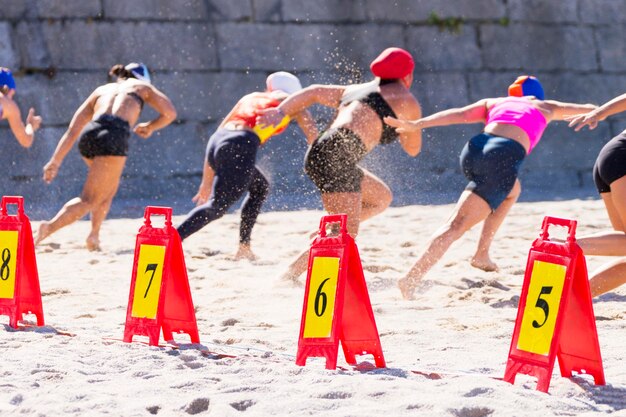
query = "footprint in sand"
x=242 y=405
x=472 y=412
x=336 y=395
x=511 y=302
x=198 y=406
x=56 y=291
x=378 y=268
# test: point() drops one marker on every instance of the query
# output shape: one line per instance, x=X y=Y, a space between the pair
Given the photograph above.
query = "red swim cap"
x=393 y=63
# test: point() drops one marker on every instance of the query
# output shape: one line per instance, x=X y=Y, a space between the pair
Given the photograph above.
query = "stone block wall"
x=205 y=54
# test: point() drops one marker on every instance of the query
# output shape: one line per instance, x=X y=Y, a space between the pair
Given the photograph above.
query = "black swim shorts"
x=491 y=164
x=610 y=165
x=331 y=161
x=105 y=136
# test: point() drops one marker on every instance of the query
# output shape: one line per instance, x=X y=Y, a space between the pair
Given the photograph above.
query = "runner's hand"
x=270 y=117
x=579 y=121
x=202 y=196
x=50 y=171
x=143 y=130
x=33 y=119
x=403 y=126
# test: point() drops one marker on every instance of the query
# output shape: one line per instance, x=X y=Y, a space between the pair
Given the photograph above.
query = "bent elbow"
x=172 y=114
x=413 y=152
x=26 y=141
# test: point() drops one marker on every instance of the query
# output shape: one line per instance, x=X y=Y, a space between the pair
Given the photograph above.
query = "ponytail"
x=119 y=71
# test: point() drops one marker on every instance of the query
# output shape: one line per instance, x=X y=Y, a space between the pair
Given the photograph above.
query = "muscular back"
x=119 y=99
x=364 y=121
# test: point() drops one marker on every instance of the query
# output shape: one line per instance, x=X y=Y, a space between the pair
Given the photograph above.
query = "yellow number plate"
x=321 y=299
x=542 y=307
x=148 y=281
x=8 y=262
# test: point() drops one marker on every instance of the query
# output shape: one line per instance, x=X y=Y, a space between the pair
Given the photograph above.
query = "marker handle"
x=555 y=221
x=18 y=201
x=334 y=218
x=159 y=211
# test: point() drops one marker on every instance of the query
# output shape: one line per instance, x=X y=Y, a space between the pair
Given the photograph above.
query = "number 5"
x=542 y=304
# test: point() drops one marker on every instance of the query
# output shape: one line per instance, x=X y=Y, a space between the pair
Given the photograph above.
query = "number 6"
x=321 y=295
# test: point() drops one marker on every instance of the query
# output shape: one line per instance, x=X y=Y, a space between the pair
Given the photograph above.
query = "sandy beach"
x=445 y=350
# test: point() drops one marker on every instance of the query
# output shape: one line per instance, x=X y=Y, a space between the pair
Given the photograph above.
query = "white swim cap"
x=283 y=81
x=139 y=71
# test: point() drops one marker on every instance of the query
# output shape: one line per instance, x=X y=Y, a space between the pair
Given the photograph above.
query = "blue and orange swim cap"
x=526 y=85
x=6 y=78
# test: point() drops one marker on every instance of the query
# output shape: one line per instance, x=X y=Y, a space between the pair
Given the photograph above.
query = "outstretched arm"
x=474 y=113
x=563 y=111
x=307 y=124
x=326 y=95
x=82 y=116
x=24 y=134
x=167 y=113
x=592 y=118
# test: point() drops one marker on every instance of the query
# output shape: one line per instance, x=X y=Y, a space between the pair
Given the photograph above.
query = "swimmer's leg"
x=608 y=277
x=469 y=211
x=102 y=179
x=257 y=194
x=349 y=203
x=481 y=258
x=98 y=214
x=610 y=243
x=225 y=193
x=375 y=196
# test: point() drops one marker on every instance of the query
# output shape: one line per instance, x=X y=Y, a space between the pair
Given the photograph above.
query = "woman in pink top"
x=491 y=161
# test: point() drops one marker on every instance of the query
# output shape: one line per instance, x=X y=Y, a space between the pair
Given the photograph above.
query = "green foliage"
x=451 y=24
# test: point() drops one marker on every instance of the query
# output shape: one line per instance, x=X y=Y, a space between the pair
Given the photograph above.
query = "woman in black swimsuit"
x=609 y=175
x=104 y=123
x=332 y=160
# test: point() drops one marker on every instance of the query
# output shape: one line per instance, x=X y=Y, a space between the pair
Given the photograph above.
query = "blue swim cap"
x=526 y=85
x=6 y=78
x=139 y=71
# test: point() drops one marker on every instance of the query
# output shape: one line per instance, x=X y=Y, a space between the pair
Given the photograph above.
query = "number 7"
x=150 y=267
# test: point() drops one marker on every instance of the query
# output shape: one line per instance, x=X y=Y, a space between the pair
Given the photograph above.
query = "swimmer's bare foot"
x=291 y=278
x=42 y=233
x=244 y=252
x=407 y=287
x=486 y=264
x=93 y=243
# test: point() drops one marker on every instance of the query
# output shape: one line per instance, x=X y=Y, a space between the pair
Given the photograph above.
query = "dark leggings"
x=232 y=155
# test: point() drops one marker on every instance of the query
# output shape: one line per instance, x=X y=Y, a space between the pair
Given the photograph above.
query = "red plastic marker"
x=336 y=302
x=19 y=279
x=555 y=317
x=160 y=297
